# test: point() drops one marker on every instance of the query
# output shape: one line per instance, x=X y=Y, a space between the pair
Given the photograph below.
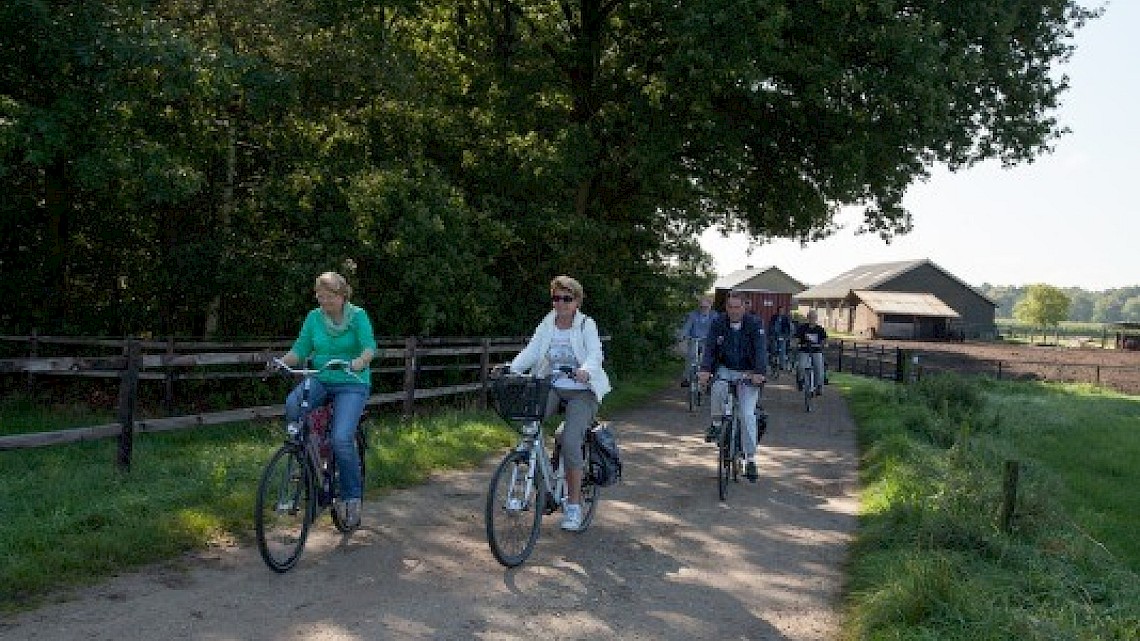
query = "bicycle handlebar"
x=335 y=363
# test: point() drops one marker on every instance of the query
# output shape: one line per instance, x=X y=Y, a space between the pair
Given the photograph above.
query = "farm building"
x=906 y=299
x=764 y=289
x=1127 y=336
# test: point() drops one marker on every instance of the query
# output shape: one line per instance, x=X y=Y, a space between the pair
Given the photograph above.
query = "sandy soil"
x=664 y=558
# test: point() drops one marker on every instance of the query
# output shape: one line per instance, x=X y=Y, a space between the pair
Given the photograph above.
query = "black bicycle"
x=809 y=384
x=301 y=479
x=730 y=447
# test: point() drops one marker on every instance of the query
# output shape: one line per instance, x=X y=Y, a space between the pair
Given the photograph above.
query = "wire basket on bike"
x=518 y=397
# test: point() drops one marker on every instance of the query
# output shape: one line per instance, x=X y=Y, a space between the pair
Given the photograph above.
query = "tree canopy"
x=184 y=167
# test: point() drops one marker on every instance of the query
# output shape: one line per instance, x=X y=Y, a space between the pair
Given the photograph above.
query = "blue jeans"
x=348 y=400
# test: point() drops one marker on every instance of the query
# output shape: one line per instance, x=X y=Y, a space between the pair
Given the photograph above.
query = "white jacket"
x=585 y=342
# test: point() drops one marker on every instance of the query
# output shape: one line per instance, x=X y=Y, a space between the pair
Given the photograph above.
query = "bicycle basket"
x=520 y=398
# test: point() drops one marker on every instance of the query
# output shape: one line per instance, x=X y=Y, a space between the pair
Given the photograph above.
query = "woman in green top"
x=337 y=329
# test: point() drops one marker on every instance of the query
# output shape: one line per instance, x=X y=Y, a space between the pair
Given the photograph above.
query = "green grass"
x=71 y=518
x=930 y=560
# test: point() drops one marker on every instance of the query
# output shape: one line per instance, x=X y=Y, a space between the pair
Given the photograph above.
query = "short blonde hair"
x=334 y=283
x=569 y=284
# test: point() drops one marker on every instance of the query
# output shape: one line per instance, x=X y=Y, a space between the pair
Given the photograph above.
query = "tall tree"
x=1043 y=306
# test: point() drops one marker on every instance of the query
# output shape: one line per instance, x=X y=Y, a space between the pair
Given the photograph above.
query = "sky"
x=1069 y=219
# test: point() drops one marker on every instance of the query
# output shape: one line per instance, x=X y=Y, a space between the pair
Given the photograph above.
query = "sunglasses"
x=562 y=299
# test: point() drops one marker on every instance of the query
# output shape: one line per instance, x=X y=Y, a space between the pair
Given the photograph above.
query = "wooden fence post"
x=168 y=382
x=484 y=366
x=410 y=365
x=33 y=351
x=1009 y=496
x=902 y=359
x=128 y=394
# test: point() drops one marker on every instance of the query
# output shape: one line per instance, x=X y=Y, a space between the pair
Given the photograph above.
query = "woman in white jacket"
x=567 y=341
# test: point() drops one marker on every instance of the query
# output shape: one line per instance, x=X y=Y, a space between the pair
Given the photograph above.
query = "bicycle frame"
x=533 y=444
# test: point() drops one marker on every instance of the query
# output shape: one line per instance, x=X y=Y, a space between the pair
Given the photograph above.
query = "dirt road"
x=663 y=560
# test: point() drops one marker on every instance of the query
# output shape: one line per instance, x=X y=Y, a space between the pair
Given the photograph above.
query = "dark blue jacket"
x=745 y=350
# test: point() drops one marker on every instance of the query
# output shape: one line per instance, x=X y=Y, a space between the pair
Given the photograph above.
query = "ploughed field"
x=1116 y=369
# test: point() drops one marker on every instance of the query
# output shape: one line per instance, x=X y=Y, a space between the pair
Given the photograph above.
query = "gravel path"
x=663 y=560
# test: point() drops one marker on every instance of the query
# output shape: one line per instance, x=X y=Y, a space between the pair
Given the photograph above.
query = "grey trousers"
x=581 y=407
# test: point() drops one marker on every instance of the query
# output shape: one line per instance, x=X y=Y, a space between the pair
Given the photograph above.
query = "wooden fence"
x=136 y=361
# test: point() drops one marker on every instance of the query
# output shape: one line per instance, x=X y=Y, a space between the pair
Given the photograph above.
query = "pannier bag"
x=605 y=460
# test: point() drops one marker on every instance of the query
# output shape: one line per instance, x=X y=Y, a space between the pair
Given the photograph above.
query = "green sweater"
x=322 y=340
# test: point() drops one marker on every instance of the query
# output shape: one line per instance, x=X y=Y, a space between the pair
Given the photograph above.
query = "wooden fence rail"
x=405 y=359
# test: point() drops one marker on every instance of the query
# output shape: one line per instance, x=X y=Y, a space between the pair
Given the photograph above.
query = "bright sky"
x=1070 y=219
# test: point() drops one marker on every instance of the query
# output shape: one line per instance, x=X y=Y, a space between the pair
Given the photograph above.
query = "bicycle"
x=695 y=392
x=301 y=478
x=730 y=447
x=808 y=383
x=777 y=357
x=529 y=482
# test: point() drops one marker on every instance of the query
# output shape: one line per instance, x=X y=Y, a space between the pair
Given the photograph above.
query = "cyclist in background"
x=736 y=348
x=337 y=329
x=811 y=337
x=695 y=329
x=780 y=330
x=568 y=340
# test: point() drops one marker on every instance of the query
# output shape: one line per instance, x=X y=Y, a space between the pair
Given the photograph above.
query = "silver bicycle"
x=529 y=482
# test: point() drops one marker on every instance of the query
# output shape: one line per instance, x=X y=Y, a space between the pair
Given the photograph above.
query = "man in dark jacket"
x=736 y=348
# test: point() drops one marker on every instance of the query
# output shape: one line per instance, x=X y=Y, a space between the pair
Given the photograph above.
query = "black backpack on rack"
x=605 y=459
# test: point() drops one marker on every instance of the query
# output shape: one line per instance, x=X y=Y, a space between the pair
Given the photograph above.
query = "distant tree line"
x=1108 y=306
x=184 y=167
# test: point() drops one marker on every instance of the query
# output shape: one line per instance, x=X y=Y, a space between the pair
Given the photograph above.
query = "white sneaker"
x=572 y=519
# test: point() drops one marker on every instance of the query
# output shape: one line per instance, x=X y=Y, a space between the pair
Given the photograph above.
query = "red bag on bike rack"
x=320 y=419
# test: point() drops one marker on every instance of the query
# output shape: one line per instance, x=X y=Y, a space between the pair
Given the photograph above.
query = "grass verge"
x=71 y=518
x=930 y=559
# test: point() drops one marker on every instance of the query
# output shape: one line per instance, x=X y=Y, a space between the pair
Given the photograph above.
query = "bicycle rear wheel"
x=285 y=508
x=511 y=517
x=737 y=449
x=336 y=514
x=591 y=492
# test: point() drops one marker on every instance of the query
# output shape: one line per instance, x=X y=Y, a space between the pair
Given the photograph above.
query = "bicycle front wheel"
x=513 y=512
x=724 y=456
x=809 y=387
x=336 y=514
x=285 y=508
